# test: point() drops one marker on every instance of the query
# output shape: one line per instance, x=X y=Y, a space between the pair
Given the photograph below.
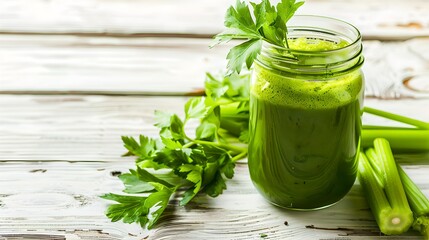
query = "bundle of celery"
x=394 y=199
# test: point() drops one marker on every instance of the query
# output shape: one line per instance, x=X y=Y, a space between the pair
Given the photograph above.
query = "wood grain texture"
x=64 y=64
x=376 y=19
x=62 y=200
x=249 y=216
x=173 y=66
x=76 y=128
x=88 y=128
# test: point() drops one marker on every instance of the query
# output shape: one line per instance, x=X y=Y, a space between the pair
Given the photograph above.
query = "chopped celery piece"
x=401 y=140
x=419 y=203
x=389 y=204
x=421 y=224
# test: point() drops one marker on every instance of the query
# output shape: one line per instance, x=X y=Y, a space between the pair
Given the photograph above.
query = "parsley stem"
x=189 y=144
x=222 y=145
x=239 y=156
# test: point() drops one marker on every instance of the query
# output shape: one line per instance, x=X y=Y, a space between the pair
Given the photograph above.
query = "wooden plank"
x=75 y=128
x=61 y=199
x=88 y=128
x=172 y=66
x=377 y=19
x=66 y=64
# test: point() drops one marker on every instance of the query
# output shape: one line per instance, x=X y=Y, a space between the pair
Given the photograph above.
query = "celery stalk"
x=421 y=224
x=390 y=219
x=389 y=204
x=418 y=201
x=374 y=193
x=393 y=185
x=419 y=204
x=233 y=127
x=401 y=140
x=398 y=118
x=377 y=166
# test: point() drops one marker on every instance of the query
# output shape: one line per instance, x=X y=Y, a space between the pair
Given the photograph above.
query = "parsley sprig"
x=182 y=165
x=268 y=23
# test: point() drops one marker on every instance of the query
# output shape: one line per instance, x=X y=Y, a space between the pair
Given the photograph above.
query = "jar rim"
x=315 y=61
x=295 y=18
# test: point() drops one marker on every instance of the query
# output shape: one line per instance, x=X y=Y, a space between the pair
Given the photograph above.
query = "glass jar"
x=305 y=114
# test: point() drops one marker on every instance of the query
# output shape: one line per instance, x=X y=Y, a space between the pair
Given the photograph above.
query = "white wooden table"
x=75 y=75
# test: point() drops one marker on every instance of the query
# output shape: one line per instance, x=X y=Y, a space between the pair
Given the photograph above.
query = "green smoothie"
x=305 y=134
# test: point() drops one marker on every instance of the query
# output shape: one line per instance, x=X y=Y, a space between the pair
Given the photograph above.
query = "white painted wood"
x=397 y=69
x=64 y=64
x=61 y=198
x=84 y=128
x=385 y=19
x=173 y=66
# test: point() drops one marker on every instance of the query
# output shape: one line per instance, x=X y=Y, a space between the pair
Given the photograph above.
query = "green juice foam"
x=317 y=93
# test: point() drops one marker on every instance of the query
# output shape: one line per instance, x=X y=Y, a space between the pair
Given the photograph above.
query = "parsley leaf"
x=143 y=210
x=129 y=208
x=195 y=108
x=239 y=18
x=216 y=186
x=268 y=23
x=206 y=130
x=133 y=184
x=243 y=53
x=143 y=149
x=155 y=204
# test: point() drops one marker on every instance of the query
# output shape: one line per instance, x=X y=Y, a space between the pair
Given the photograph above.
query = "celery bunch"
x=384 y=191
x=396 y=202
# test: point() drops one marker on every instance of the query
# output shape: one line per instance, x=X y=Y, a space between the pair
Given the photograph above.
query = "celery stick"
x=373 y=191
x=418 y=201
x=375 y=127
x=390 y=220
x=396 y=117
x=419 y=204
x=233 y=127
x=377 y=166
x=393 y=185
x=401 y=140
x=389 y=204
x=421 y=224
x=393 y=188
